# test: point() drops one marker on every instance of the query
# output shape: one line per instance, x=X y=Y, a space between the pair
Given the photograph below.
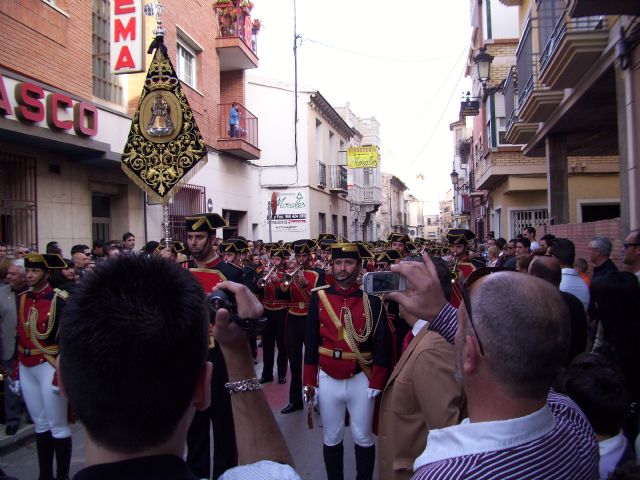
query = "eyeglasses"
x=627 y=245
x=466 y=298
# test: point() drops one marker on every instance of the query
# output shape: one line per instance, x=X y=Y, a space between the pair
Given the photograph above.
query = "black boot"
x=333 y=461
x=365 y=462
x=62 y=447
x=44 y=444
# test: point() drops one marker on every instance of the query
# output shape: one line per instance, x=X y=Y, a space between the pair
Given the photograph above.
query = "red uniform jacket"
x=270 y=300
x=40 y=310
x=321 y=331
x=464 y=269
x=299 y=297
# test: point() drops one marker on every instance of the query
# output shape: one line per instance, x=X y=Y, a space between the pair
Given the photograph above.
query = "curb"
x=25 y=432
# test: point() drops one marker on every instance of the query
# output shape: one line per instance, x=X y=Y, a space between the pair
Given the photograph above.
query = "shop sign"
x=291 y=213
x=362 y=157
x=127 y=38
x=61 y=112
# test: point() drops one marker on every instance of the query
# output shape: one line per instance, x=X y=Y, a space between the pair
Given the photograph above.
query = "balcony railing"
x=525 y=64
x=247 y=128
x=511 y=98
x=365 y=194
x=322 y=174
x=236 y=22
x=562 y=27
x=240 y=139
x=337 y=178
x=479 y=154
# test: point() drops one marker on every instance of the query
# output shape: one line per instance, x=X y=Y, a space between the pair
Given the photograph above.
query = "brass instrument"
x=262 y=282
x=455 y=273
x=287 y=278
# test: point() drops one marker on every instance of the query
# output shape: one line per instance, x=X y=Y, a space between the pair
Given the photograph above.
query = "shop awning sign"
x=362 y=157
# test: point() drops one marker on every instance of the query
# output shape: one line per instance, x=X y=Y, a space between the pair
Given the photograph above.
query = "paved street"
x=306 y=445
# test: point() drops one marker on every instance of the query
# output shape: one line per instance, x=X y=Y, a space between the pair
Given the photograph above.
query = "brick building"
x=544 y=151
x=64 y=120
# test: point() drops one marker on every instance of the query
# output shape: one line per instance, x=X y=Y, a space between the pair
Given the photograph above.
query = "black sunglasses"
x=470 y=280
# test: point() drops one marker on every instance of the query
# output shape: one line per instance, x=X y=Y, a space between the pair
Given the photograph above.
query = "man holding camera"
x=209 y=269
x=348 y=339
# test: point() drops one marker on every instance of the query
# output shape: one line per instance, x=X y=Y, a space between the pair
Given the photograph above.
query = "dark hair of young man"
x=78 y=249
x=548 y=237
x=599 y=389
x=133 y=341
x=500 y=243
x=530 y=230
x=53 y=247
x=444 y=276
x=524 y=241
x=564 y=250
x=127 y=236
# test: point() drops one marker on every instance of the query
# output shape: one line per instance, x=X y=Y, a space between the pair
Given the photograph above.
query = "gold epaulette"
x=320 y=288
x=63 y=294
x=25 y=291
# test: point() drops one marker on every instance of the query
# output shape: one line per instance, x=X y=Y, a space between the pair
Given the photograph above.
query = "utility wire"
x=374 y=57
x=433 y=131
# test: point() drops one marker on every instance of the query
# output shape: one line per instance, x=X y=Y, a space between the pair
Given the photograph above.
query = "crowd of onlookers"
x=599 y=365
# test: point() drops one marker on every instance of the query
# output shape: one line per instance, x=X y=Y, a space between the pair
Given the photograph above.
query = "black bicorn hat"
x=234 y=245
x=204 y=222
x=399 y=237
x=45 y=261
x=459 y=236
x=389 y=256
x=303 y=246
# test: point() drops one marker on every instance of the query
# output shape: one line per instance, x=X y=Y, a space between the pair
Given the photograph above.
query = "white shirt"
x=473 y=438
x=611 y=451
x=419 y=325
x=534 y=246
x=262 y=470
x=574 y=284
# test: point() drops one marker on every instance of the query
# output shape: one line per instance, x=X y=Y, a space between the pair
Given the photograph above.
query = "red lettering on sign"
x=55 y=103
x=122 y=32
x=28 y=97
x=85 y=119
x=123 y=6
x=125 y=60
x=5 y=105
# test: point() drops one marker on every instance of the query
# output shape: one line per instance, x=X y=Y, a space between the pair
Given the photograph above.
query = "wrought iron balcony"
x=322 y=174
x=237 y=37
x=239 y=140
x=337 y=179
x=571 y=48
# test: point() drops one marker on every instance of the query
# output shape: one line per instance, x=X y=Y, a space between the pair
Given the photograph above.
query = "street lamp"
x=483 y=68
x=455 y=178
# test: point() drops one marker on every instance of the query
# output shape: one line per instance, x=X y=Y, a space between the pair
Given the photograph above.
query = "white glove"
x=373 y=393
x=14 y=386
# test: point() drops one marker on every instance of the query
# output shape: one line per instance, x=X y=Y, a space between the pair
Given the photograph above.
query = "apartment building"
x=445 y=218
x=365 y=184
x=64 y=119
x=431 y=227
x=546 y=147
x=303 y=163
x=461 y=180
x=393 y=214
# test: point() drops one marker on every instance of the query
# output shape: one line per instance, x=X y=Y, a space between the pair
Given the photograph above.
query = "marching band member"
x=209 y=268
x=347 y=340
x=39 y=313
x=461 y=267
x=276 y=312
x=296 y=287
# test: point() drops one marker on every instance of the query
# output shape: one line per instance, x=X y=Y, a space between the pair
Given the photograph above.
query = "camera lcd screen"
x=388 y=282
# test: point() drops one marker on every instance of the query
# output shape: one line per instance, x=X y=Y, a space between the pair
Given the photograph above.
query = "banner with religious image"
x=164 y=148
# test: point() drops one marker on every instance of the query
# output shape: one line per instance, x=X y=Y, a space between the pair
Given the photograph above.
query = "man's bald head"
x=547 y=268
x=521 y=322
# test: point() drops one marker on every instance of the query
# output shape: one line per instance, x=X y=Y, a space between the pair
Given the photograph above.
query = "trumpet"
x=455 y=273
x=262 y=282
x=287 y=278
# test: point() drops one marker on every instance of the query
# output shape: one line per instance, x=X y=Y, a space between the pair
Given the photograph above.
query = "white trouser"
x=48 y=410
x=337 y=396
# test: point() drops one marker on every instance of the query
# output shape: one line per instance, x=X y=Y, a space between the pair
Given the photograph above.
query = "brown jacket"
x=421 y=394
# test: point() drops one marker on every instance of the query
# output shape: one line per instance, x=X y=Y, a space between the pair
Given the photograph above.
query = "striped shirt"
x=556 y=442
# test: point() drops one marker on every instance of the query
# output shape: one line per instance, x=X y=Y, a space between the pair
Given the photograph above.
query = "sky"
x=402 y=63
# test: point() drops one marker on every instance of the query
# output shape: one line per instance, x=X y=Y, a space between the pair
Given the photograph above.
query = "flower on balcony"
x=256 y=25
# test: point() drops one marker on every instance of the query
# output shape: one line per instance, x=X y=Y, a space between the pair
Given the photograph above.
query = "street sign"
x=362 y=157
